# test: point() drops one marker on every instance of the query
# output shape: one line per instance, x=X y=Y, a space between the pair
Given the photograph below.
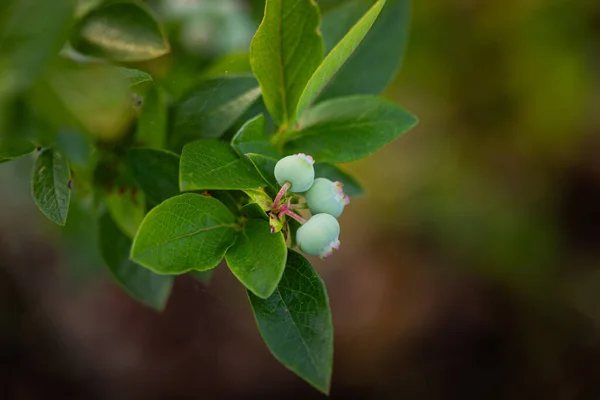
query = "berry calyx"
x=297 y=170
x=326 y=196
x=319 y=235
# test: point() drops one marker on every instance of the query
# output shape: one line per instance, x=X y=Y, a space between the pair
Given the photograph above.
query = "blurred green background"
x=471 y=270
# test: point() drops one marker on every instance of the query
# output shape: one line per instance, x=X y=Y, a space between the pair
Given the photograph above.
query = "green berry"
x=325 y=196
x=319 y=235
x=298 y=170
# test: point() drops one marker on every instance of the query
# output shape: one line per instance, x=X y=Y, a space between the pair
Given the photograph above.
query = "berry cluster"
x=319 y=236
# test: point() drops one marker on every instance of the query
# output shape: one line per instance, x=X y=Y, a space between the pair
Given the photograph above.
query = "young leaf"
x=184 y=233
x=350 y=128
x=351 y=187
x=142 y=284
x=285 y=51
x=211 y=164
x=11 y=149
x=258 y=257
x=151 y=129
x=265 y=167
x=212 y=107
x=135 y=76
x=51 y=183
x=385 y=43
x=120 y=31
x=127 y=209
x=337 y=57
x=157 y=173
x=253 y=138
x=260 y=197
x=295 y=322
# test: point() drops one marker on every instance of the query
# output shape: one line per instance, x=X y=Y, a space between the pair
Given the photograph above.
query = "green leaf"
x=135 y=76
x=337 y=57
x=285 y=51
x=157 y=173
x=265 y=167
x=253 y=138
x=140 y=283
x=31 y=33
x=127 y=209
x=229 y=65
x=151 y=129
x=351 y=187
x=254 y=210
x=258 y=257
x=295 y=322
x=385 y=43
x=211 y=164
x=51 y=182
x=184 y=233
x=120 y=31
x=350 y=128
x=260 y=197
x=11 y=149
x=212 y=107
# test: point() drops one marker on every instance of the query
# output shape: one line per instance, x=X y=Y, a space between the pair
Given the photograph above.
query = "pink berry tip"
x=333 y=247
x=306 y=157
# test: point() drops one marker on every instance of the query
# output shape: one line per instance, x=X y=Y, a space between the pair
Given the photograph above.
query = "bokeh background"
x=471 y=270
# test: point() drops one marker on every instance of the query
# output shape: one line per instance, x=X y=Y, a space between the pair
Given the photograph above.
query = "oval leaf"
x=157 y=173
x=11 y=149
x=140 y=283
x=337 y=57
x=350 y=128
x=258 y=257
x=184 y=233
x=151 y=128
x=127 y=209
x=351 y=187
x=120 y=31
x=51 y=183
x=211 y=164
x=285 y=51
x=265 y=166
x=295 y=322
x=385 y=42
x=135 y=76
x=212 y=107
x=253 y=138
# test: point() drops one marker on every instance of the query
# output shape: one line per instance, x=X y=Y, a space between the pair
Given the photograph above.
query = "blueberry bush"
x=187 y=160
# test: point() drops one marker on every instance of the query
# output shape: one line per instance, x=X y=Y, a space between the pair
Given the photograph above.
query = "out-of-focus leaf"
x=142 y=284
x=212 y=107
x=127 y=209
x=51 y=185
x=229 y=65
x=284 y=53
x=120 y=31
x=135 y=76
x=253 y=138
x=151 y=129
x=11 y=149
x=157 y=173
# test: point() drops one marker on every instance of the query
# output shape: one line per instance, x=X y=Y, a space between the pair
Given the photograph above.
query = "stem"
x=281 y=193
x=294 y=215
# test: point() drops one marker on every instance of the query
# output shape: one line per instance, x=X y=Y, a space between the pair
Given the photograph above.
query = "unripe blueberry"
x=298 y=170
x=325 y=196
x=319 y=235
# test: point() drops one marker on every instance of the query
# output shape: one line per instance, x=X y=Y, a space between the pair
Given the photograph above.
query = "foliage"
x=174 y=153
